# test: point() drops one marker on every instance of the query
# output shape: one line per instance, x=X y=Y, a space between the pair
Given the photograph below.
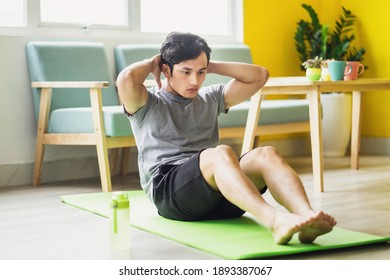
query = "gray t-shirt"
x=169 y=129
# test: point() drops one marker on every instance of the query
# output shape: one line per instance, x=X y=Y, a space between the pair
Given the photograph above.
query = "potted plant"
x=313 y=68
x=313 y=39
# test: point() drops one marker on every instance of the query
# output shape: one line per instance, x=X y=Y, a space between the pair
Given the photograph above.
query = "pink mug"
x=357 y=69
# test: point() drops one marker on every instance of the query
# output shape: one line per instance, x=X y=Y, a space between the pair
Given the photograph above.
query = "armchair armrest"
x=70 y=84
x=95 y=91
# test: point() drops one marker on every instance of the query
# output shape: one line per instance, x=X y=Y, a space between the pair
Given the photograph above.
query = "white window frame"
x=129 y=33
x=129 y=8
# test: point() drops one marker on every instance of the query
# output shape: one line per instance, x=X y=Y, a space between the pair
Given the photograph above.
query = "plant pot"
x=313 y=74
x=336 y=123
x=325 y=75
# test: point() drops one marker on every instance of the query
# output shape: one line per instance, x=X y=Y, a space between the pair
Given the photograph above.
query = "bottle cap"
x=120 y=201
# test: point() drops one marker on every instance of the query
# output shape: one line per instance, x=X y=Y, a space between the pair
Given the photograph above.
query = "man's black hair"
x=179 y=47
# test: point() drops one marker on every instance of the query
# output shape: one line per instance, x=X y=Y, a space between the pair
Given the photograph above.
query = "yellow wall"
x=269 y=28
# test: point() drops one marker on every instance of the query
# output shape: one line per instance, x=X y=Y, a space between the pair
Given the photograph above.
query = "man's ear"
x=166 y=70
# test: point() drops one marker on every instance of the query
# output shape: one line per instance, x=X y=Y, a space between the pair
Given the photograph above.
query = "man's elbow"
x=125 y=78
x=127 y=85
x=263 y=76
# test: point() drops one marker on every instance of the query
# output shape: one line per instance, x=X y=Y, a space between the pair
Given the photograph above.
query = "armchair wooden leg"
x=114 y=154
x=101 y=140
x=104 y=168
x=43 y=119
x=125 y=160
x=39 y=152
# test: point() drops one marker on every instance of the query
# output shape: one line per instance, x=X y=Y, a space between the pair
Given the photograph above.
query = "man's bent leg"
x=265 y=164
x=222 y=171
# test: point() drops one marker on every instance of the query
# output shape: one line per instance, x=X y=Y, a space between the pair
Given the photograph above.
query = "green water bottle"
x=120 y=233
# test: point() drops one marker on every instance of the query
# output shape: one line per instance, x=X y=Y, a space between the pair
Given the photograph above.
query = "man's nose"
x=194 y=80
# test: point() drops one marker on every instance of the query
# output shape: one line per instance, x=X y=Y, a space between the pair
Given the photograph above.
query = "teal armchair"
x=76 y=102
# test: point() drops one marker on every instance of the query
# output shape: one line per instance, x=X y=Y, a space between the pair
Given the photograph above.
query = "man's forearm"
x=138 y=72
x=246 y=80
x=246 y=73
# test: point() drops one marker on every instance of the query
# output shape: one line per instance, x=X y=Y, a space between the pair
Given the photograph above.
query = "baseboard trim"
x=375 y=146
x=52 y=171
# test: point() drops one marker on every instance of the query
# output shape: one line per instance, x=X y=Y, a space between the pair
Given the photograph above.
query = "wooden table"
x=313 y=90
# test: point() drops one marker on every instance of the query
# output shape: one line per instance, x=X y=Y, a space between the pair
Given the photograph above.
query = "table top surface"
x=301 y=83
x=302 y=80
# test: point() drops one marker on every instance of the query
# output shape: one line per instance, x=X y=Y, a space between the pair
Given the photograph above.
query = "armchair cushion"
x=272 y=112
x=79 y=120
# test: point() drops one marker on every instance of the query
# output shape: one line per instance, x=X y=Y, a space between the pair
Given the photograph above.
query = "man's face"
x=187 y=77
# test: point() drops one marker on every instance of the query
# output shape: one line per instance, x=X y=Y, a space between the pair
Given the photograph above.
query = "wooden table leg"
x=316 y=138
x=251 y=123
x=355 y=135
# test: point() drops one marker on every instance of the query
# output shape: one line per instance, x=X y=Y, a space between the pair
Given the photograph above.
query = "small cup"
x=338 y=69
x=357 y=69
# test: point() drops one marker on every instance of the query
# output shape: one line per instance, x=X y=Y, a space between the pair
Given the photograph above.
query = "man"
x=183 y=169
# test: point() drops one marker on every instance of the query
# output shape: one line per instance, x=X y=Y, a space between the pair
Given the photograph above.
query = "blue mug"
x=337 y=70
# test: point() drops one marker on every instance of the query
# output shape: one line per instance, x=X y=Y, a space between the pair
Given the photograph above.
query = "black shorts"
x=181 y=193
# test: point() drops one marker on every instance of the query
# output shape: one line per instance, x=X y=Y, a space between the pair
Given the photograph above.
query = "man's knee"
x=262 y=154
x=267 y=152
x=218 y=155
x=225 y=152
x=216 y=159
x=221 y=152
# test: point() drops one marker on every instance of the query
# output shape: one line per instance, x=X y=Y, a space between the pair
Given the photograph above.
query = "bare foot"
x=286 y=225
x=319 y=224
x=309 y=228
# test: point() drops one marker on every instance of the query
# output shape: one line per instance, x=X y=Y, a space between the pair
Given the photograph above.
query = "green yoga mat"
x=241 y=238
